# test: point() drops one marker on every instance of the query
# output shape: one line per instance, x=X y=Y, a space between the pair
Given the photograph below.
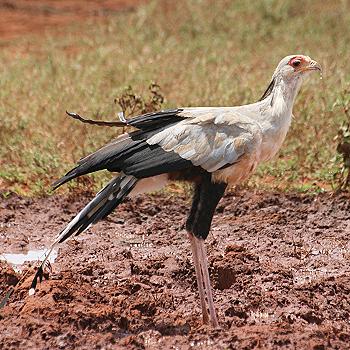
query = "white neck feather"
x=283 y=96
x=276 y=115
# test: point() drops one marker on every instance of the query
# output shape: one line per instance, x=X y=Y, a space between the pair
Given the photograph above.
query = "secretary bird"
x=212 y=147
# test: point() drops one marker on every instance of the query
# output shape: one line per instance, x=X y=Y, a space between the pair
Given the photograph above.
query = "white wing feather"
x=210 y=137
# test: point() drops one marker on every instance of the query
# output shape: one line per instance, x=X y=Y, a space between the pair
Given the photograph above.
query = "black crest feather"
x=269 y=89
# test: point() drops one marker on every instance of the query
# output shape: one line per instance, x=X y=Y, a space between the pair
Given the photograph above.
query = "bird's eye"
x=296 y=63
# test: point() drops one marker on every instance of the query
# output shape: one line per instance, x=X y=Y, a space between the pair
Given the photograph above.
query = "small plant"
x=133 y=104
x=343 y=141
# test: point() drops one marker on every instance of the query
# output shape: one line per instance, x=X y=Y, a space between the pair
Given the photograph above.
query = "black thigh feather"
x=206 y=197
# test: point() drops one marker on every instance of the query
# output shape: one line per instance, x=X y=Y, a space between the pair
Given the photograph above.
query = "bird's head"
x=296 y=66
x=291 y=70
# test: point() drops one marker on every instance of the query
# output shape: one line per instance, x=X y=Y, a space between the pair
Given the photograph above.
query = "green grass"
x=201 y=53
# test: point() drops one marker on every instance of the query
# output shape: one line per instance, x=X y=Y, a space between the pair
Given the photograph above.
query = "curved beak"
x=313 y=65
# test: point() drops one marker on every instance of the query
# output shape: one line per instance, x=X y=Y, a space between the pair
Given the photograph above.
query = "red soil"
x=22 y=17
x=279 y=266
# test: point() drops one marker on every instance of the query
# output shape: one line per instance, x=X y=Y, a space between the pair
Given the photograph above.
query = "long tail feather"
x=121 y=123
x=103 y=204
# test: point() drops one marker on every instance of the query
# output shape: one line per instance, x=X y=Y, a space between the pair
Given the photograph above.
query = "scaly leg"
x=205 y=293
x=208 y=290
x=199 y=276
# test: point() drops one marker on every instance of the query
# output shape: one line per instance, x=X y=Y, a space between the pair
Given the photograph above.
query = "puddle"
x=32 y=255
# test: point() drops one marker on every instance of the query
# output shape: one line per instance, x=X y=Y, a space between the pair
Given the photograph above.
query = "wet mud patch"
x=279 y=265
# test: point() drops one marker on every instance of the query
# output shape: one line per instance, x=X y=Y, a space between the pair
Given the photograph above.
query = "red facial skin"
x=297 y=58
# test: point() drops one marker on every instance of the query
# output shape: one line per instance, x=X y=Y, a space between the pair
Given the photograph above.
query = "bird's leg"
x=205 y=272
x=199 y=275
x=201 y=267
x=196 y=252
x=206 y=197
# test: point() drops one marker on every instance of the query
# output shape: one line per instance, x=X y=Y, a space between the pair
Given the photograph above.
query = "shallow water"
x=18 y=259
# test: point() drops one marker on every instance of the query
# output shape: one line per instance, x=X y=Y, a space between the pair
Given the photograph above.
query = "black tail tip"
x=39 y=275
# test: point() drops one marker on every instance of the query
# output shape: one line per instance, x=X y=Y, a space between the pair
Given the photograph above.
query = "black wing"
x=131 y=153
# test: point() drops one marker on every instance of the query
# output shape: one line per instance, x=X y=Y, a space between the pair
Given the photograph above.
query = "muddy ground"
x=279 y=266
